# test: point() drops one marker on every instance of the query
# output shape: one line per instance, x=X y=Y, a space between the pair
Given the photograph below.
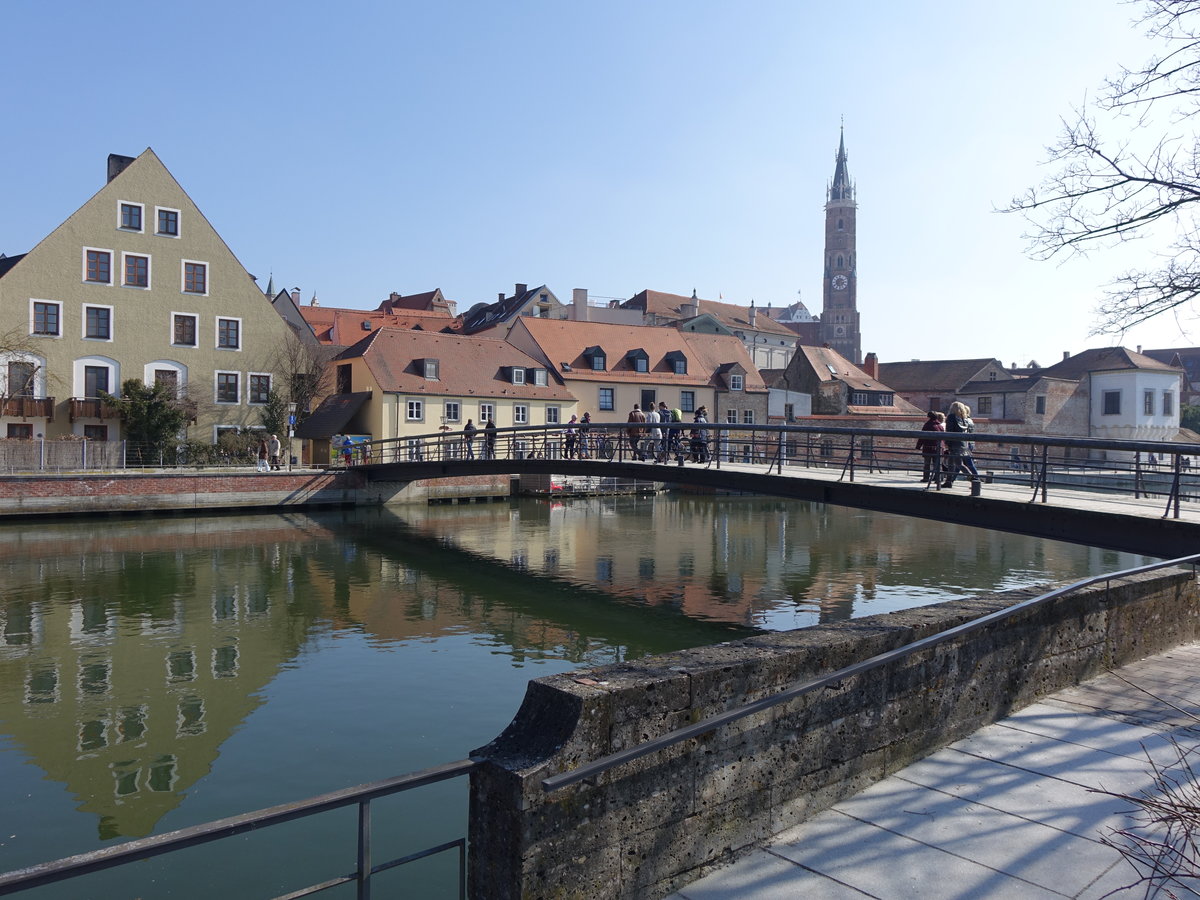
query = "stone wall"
x=653 y=825
x=121 y=492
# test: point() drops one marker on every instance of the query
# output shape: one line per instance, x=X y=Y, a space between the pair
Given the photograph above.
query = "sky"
x=356 y=149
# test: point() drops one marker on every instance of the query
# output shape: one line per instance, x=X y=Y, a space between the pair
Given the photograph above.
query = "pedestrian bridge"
x=1136 y=496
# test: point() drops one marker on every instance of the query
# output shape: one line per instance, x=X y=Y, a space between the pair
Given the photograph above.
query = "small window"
x=137 y=271
x=431 y=369
x=183 y=332
x=229 y=334
x=679 y=366
x=552 y=415
x=21 y=379
x=47 y=318
x=95 y=432
x=747 y=417
x=518 y=375
x=539 y=377
x=168 y=222
x=598 y=363
x=687 y=401
x=520 y=414
x=453 y=411
x=731 y=416
x=992 y=375
x=1039 y=405
x=97 y=323
x=1148 y=403
x=21 y=431
x=195 y=278
x=606 y=399
x=487 y=412
x=228 y=387
x=1168 y=403
x=736 y=382
x=984 y=406
x=131 y=216
x=97 y=266
x=415 y=411
x=1112 y=403
x=260 y=388
x=95 y=381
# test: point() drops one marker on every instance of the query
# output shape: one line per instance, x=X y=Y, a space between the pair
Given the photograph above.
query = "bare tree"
x=1104 y=191
x=20 y=376
x=304 y=371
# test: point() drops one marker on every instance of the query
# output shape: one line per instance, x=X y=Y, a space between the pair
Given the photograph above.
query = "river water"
x=158 y=673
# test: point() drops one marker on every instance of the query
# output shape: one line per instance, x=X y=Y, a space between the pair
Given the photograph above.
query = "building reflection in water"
x=130 y=653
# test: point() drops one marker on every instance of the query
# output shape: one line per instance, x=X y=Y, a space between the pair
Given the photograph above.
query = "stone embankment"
x=652 y=825
x=223 y=489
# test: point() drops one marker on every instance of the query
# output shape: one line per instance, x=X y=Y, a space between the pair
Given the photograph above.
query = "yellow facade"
x=135 y=284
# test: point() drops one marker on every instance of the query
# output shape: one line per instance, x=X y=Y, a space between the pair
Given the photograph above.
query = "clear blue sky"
x=359 y=148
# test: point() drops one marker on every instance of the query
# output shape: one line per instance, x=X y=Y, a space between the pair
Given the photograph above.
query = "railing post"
x=364 y=850
x=42 y=454
x=1137 y=475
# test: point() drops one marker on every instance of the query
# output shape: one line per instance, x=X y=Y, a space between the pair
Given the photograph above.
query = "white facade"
x=1135 y=404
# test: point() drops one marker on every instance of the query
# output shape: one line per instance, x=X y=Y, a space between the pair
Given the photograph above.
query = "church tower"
x=839 y=313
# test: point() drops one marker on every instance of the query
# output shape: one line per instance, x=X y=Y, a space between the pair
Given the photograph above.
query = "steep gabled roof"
x=1187 y=357
x=467 y=366
x=732 y=316
x=567 y=341
x=941 y=375
x=828 y=365
x=1103 y=359
x=343 y=327
x=490 y=315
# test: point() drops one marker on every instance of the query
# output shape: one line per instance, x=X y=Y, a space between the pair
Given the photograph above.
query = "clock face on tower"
x=839 y=282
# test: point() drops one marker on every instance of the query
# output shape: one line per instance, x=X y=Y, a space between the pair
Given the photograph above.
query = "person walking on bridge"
x=469 y=439
x=932 y=448
x=961 y=452
x=489 y=439
x=633 y=433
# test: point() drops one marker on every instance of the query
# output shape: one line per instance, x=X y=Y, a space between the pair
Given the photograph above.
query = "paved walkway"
x=1008 y=812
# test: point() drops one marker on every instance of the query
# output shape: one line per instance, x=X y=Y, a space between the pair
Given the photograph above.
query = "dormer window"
x=736 y=382
x=366 y=324
x=431 y=368
x=539 y=377
x=518 y=375
x=597 y=359
x=677 y=361
x=638 y=360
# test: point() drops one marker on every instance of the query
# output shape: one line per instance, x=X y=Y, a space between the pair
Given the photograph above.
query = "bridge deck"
x=1011 y=811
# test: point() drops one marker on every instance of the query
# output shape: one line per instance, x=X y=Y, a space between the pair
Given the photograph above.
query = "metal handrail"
x=156 y=845
x=679 y=735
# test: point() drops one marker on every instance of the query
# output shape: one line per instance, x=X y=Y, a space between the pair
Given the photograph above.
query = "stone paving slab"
x=1009 y=812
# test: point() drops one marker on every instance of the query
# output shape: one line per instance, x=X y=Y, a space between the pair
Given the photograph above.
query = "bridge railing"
x=1156 y=469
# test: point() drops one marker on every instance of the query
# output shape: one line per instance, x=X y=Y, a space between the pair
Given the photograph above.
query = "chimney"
x=871 y=365
x=296 y=296
x=500 y=297
x=1066 y=354
x=117 y=164
x=753 y=314
x=1139 y=348
x=692 y=307
x=520 y=289
x=579 y=297
x=393 y=296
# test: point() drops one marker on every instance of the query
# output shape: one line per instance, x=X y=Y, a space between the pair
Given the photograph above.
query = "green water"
x=158 y=673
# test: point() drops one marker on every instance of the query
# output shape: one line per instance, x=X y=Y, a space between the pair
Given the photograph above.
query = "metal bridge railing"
x=1141 y=469
x=362 y=795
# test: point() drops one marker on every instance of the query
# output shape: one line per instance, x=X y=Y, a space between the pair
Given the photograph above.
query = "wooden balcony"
x=28 y=408
x=82 y=408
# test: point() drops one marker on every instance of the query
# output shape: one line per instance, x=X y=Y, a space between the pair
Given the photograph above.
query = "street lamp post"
x=291 y=432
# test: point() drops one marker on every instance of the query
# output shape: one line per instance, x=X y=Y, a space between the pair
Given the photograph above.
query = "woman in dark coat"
x=931 y=448
x=961 y=452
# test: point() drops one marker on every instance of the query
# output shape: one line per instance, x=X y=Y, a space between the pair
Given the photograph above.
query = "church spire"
x=842 y=188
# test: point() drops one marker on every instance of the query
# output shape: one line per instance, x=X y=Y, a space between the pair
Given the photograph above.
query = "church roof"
x=841 y=188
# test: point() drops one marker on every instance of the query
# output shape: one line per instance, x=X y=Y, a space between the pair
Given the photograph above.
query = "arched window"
x=839 y=262
x=841 y=225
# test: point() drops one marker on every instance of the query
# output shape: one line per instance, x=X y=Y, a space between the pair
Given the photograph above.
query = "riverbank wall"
x=653 y=825
x=222 y=489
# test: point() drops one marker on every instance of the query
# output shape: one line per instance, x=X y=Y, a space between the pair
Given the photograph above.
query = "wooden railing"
x=28 y=407
x=92 y=409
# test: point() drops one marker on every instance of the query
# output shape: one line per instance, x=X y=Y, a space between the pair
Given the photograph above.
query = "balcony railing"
x=88 y=408
x=28 y=407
